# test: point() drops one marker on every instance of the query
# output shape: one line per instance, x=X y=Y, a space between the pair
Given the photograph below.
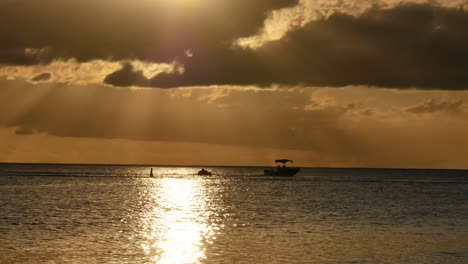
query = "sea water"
x=117 y=214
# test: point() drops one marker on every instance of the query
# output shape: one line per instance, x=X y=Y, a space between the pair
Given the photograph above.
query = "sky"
x=380 y=83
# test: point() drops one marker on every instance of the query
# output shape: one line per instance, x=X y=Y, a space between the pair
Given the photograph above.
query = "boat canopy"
x=283 y=161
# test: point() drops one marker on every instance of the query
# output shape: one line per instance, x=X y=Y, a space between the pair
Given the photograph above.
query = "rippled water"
x=106 y=214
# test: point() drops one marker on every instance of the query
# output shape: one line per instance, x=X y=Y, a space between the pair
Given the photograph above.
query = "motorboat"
x=204 y=172
x=282 y=169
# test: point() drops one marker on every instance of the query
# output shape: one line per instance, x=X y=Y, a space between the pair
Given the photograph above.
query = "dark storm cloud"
x=126 y=76
x=158 y=30
x=42 y=77
x=411 y=45
x=15 y=56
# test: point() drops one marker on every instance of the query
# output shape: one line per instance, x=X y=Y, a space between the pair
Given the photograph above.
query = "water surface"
x=106 y=214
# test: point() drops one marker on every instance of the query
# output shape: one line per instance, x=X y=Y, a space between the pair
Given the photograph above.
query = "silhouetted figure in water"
x=151 y=173
x=204 y=172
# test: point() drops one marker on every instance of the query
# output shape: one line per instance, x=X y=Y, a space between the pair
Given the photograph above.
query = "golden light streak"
x=177 y=226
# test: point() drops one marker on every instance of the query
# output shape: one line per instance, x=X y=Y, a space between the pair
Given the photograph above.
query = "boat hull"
x=282 y=172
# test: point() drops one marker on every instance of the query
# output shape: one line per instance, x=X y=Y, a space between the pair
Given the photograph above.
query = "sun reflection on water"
x=177 y=227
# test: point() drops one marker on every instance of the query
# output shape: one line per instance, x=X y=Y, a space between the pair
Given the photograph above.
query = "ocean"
x=117 y=214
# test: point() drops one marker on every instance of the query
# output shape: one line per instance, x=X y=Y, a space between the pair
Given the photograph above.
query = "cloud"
x=42 y=77
x=389 y=45
x=126 y=76
x=235 y=118
x=410 y=45
x=24 y=131
x=435 y=105
x=362 y=126
x=15 y=55
x=93 y=72
x=280 y=22
x=121 y=29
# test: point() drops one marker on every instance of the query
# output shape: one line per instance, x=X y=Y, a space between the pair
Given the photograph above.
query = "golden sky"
x=325 y=83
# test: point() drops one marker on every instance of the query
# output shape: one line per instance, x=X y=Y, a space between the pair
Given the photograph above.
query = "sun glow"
x=184 y=3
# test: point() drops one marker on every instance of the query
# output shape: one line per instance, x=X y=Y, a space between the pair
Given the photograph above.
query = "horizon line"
x=240 y=166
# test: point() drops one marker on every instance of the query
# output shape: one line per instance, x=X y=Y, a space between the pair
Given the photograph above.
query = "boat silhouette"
x=204 y=172
x=282 y=169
